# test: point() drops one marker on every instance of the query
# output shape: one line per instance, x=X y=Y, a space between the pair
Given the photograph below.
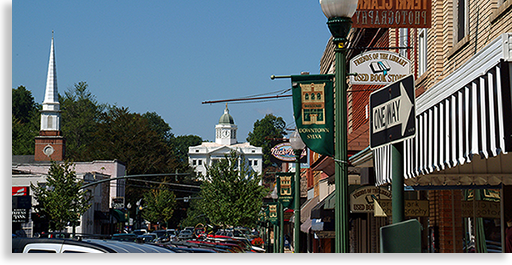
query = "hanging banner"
x=313 y=110
x=285 y=188
x=272 y=213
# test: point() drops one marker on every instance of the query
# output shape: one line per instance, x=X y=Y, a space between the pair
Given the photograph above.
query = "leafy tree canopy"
x=25 y=121
x=61 y=199
x=264 y=130
x=231 y=194
x=159 y=205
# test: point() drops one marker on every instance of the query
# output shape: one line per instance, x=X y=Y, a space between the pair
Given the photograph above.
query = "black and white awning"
x=466 y=114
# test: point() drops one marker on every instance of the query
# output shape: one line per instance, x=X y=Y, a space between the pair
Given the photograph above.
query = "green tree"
x=264 y=130
x=129 y=138
x=159 y=205
x=25 y=121
x=80 y=116
x=181 y=145
x=60 y=198
x=23 y=105
x=158 y=125
x=231 y=194
x=195 y=214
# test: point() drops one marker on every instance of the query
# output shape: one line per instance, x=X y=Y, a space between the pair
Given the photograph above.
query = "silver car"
x=185 y=235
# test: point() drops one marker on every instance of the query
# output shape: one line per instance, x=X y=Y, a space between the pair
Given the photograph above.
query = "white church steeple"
x=50 y=144
x=50 y=115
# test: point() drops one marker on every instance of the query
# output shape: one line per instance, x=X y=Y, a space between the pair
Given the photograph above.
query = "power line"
x=245 y=99
x=167 y=183
x=132 y=176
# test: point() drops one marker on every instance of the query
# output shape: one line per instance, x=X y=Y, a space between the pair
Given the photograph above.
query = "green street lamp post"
x=339 y=13
x=297 y=146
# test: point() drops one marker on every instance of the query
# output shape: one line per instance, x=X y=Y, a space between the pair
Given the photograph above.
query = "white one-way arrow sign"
x=391 y=109
x=393 y=112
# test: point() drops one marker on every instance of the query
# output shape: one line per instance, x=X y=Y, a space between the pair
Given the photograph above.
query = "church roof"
x=226 y=118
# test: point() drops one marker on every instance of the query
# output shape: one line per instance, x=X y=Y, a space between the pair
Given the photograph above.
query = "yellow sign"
x=484 y=209
x=412 y=208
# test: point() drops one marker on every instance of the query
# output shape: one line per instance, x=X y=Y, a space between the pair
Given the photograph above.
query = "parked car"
x=57 y=245
x=146 y=238
x=185 y=235
x=124 y=237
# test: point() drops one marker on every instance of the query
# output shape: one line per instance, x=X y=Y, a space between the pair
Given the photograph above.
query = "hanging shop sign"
x=393 y=14
x=282 y=151
x=412 y=208
x=313 y=110
x=285 y=188
x=273 y=216
x=481 y=209
x=378 y=68
x=361 y=200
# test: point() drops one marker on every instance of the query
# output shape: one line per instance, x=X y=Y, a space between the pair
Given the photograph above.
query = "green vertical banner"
x=313 y=110
x=272 y=213
x=285 y=185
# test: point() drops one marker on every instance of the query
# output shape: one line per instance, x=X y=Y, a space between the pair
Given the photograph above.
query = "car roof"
x=130 y=247
x=109 y=246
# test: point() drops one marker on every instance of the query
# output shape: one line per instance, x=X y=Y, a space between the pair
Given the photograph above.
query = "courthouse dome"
x=226 y=118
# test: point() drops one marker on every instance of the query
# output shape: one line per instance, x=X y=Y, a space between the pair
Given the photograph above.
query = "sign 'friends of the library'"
x=393 y=14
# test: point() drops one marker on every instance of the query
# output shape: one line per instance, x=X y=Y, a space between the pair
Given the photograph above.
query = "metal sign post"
x=392 y=120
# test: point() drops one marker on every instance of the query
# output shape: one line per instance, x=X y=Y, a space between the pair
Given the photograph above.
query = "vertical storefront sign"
x=285 y=185
x=272 y=213
x=313 y=110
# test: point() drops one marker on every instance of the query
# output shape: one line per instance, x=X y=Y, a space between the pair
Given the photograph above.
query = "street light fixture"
x=339 y=14
x=296 y=142
x=297 y=145
x=338 y=8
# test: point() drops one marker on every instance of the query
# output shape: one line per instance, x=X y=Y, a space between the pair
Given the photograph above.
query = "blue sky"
x=170 y=56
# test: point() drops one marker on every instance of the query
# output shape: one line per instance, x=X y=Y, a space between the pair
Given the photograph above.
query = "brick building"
x=458 y=160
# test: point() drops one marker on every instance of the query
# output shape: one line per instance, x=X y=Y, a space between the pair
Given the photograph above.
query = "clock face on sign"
x=48 y=150
x=225 y=134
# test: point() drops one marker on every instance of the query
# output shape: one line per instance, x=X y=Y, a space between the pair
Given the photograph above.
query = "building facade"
x=209 y=153
x=458 y=160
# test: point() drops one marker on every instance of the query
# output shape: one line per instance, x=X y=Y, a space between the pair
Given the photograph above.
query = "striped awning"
x=467 y=113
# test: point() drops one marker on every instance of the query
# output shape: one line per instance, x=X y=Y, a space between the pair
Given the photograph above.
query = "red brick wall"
x=58 y=144
x=445 y=213
x=358 y=105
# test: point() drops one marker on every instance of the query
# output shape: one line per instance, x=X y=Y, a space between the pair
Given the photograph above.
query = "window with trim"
x=461 y=19
x=422 y=51
x=403 y=41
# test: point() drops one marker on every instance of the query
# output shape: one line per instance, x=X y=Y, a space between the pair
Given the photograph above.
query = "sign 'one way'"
x=393 y=115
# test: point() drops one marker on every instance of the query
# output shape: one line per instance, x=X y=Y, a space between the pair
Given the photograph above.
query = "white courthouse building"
x=208 y=153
